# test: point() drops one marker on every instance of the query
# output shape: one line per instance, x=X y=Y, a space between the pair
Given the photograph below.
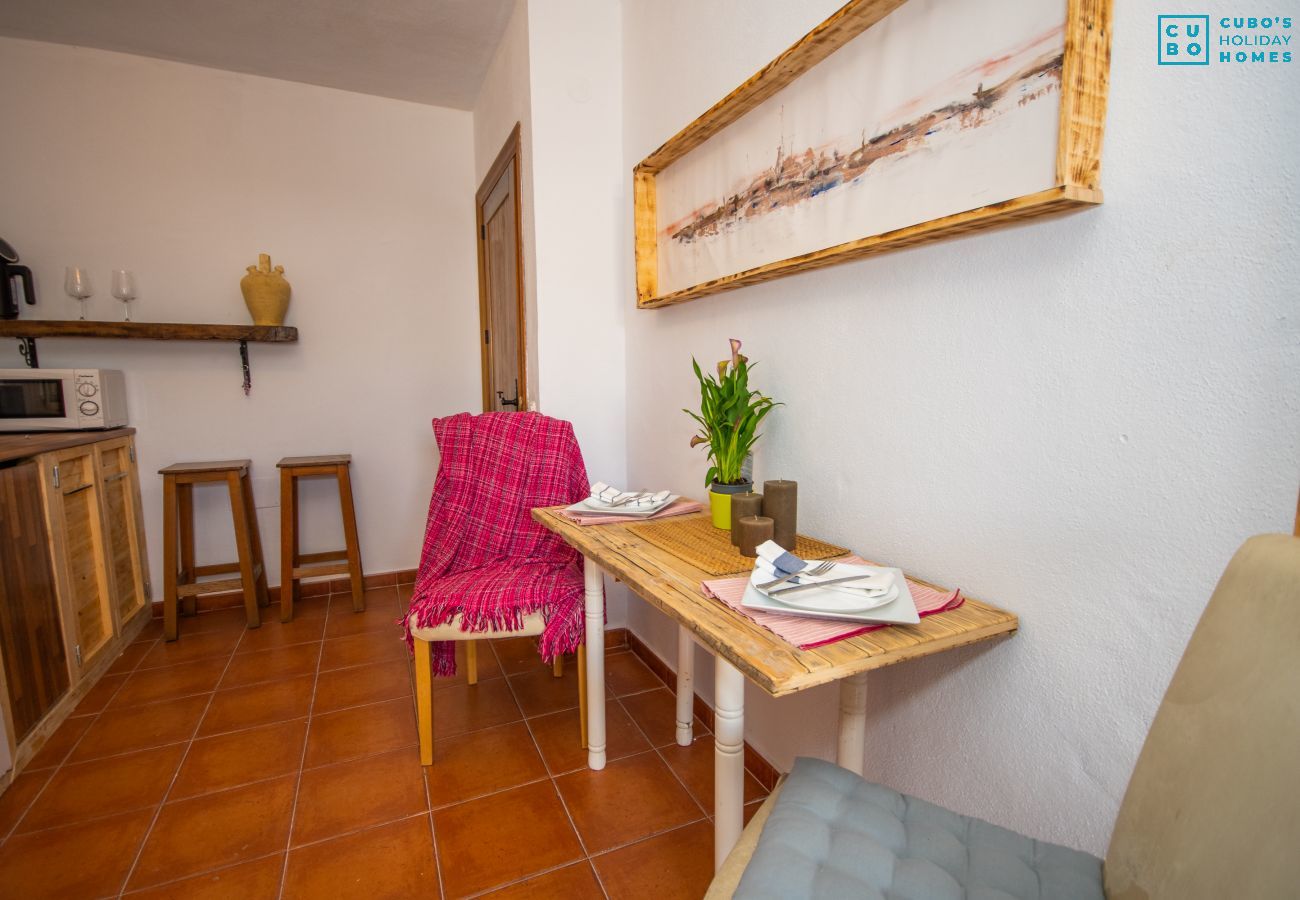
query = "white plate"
x=835 y=601
x=841 y=598
x=899 y=611
x=591 y=506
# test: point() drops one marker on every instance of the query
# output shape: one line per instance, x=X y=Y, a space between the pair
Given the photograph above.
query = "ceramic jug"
x=266 y=293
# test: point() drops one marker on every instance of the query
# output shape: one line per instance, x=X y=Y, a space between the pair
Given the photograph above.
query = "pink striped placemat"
x=806 y=633
x=679 y=507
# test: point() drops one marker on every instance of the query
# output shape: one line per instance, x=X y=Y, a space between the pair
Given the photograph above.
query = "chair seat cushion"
x=534 y=624
x=834 y=834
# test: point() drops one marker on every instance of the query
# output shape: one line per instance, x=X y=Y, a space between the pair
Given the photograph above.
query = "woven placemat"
x=695 y=540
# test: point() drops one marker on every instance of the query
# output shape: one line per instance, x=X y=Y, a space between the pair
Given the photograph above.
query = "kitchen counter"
x=19 y=445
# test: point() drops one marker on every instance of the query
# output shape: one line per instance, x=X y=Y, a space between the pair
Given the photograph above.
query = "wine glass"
x=76 y=283
x=124 y=289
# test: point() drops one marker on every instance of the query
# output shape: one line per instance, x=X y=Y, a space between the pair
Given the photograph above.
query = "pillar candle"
x=754 y=530
x=780 y=504
x=742 y=505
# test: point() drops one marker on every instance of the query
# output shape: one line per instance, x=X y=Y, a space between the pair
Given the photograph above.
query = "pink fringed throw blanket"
x=484 y=557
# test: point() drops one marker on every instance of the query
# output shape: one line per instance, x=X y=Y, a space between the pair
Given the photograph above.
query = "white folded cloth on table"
x=776 y=561
x=612 y=496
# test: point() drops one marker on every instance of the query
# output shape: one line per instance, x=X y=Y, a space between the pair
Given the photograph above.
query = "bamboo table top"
x=672 y=586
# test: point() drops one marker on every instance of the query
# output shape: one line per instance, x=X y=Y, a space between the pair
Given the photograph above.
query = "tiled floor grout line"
x=148 y=832
x=54 y=769
x=428 y=812
x=289 y=838
x=642 y=840
x=694 y=736
x=221 y=868
x=655 y=750
x=559 y=795
x=373 y=826
x=51 y=771
x=240 y=649
x=302 y=758
x=120 y=753
x=585 y=861
x=658 y=751
x=437 y=856
x=189 y=745
x=26 y=808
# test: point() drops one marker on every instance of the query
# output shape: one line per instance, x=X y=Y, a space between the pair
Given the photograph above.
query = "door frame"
x=510 y=152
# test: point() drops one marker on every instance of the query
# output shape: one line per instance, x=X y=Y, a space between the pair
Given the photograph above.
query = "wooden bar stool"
x=295 y=565
x=180 y=574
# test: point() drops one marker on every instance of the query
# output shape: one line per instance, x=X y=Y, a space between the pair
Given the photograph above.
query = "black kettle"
x=9 y=270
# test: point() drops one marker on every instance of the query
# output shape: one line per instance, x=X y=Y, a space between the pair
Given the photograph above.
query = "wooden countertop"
x=673 y=586
x=32 y=443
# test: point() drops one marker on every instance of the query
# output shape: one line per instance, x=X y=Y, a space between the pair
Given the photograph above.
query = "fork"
x=819 y=569
x=629 y=498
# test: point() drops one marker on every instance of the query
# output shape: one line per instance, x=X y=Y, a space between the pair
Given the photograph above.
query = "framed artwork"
x=892 y=123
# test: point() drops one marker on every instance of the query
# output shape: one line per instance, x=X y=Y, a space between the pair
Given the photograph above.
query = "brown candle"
x=780 y=504
x=754 y=530
x=742 y=505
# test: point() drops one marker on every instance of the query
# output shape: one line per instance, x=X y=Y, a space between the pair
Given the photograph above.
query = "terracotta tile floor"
x=282 y=762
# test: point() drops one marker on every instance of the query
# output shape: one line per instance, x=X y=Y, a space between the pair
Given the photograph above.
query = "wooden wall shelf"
x=27 y=331
x=154 y=331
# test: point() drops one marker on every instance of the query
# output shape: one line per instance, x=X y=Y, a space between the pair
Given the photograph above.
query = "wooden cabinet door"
x=31 y=638
x=74 y=505
x=123 y=527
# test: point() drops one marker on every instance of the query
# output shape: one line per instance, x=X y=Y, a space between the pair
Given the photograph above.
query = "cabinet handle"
x=77 y=490
x=109 y=479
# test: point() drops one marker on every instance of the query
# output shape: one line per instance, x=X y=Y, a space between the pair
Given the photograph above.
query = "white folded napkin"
x=776 y=561
x=603 y=493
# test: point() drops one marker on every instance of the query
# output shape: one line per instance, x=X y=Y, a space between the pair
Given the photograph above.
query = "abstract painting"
x=891 y=124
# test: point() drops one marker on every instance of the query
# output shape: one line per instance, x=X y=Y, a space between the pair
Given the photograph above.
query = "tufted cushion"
x=832 y=834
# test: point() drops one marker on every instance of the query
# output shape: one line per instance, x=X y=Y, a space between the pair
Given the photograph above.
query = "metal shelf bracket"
x=27 y=347
x=243 y=361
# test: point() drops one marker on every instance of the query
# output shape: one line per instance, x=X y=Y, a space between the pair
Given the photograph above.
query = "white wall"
x=558 y=71
x=1079 y=419
x=505 y=100
x=581 y=198
x=580 y=201
x=183 y=174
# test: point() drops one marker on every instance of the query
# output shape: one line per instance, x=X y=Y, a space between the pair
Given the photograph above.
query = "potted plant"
x=729 y=415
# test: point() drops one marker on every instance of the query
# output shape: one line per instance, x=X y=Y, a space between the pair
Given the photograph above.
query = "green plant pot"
x=720 y=501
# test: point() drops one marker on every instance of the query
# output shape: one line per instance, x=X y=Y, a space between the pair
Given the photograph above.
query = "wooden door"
x=75 y=514
x=123 y=527
x=501 y=292
x=31 y=636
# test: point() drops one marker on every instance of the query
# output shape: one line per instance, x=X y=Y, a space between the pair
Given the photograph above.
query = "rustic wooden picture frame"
x=1084 y=79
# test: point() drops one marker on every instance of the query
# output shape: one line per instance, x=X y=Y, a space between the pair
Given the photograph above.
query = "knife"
x=818 y=584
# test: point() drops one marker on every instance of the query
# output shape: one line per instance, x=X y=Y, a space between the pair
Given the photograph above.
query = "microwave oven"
x=61 y=399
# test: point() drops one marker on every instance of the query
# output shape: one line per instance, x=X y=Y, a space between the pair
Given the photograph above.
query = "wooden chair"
x=180 y=574
x=1210 y=810
x=492 y=470
x=294 y=565
x=533 y=625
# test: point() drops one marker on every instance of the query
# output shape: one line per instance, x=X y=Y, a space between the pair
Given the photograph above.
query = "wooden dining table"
x=743 y=649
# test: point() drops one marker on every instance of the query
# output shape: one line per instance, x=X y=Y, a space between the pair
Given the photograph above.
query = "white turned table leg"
x=853 y=722
x=594 y=600
x=685 y=685
x=728 y=759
